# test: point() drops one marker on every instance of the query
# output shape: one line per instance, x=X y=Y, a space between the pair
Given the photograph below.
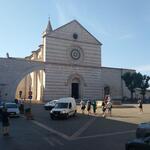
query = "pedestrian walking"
x=94 y=107
x=104 y=108
x=109 y=107
x=5 y=122
x=82 y=104
x=89 y=107
x=140 y=105
x=21 y=106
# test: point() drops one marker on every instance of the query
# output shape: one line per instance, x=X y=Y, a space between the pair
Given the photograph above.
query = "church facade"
x=73 y=67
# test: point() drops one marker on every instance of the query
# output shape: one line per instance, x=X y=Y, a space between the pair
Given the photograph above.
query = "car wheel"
x=52 y=117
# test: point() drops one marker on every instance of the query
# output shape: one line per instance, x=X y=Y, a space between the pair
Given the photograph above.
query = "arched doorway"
x=76 y=85
x=75 y=88
x=106 y=90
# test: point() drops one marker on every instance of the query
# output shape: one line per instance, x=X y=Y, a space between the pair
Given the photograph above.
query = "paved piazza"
x=80 y=132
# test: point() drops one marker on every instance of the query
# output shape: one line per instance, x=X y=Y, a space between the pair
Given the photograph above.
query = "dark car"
x=139 y=144
x=143 y=130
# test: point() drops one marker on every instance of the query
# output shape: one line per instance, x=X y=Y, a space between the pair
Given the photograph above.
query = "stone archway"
x=12 y=72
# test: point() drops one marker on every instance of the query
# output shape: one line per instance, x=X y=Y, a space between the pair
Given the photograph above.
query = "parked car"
x=12 y=109
x=64 y=108
x=49 y=105
x=139 y=144
x=143 y=130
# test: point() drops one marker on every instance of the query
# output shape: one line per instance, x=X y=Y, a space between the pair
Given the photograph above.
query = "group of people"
x=89 y=105
x=106 y=106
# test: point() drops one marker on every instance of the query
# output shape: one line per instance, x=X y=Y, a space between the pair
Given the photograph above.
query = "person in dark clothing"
x=89 y=107
x=94 y=107
x=5 y=122
x=140 y=104
x=104 y=108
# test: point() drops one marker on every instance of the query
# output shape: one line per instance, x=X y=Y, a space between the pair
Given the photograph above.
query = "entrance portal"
x=75 y=90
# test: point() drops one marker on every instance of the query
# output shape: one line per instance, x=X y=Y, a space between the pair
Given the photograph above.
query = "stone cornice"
x=73 y=65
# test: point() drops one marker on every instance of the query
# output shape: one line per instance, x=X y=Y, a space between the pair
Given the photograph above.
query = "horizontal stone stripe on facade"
x=64 y=50
x=71 y=69
x=59 y=50
x=55 y=95
x=64 y=58
x=55 y=91
x=60 y=78
x=53 y=82
x=53 y=86
x=66 y=42
x=64 y=55
x=90 y=82
x=67 y=75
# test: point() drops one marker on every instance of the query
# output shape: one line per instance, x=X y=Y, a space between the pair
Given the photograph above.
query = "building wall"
x=112 y=78
x=60 y=65
x=58 y=84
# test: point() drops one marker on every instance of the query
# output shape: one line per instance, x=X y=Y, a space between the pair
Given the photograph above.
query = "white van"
x=64 y=108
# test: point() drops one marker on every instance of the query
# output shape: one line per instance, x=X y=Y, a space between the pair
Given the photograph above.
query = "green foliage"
x=136 y=80
x=132 y=81
x=144 y=85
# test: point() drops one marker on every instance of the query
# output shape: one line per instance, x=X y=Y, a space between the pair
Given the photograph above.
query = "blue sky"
x=123 y=26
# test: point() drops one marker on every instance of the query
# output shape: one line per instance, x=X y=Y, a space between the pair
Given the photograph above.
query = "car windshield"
x=61 y=105
x=11 y=105
x=52 y=102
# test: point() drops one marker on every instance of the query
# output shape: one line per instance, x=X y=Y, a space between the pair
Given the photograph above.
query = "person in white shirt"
x=82 y=104
x=109 y=107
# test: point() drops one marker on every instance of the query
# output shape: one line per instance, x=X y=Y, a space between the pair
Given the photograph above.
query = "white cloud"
x=62 y=17
x=66 y=13
x=145 y=69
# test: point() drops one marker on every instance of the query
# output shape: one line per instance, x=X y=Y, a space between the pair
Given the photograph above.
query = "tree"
x=144 y=85
x=132 y=81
